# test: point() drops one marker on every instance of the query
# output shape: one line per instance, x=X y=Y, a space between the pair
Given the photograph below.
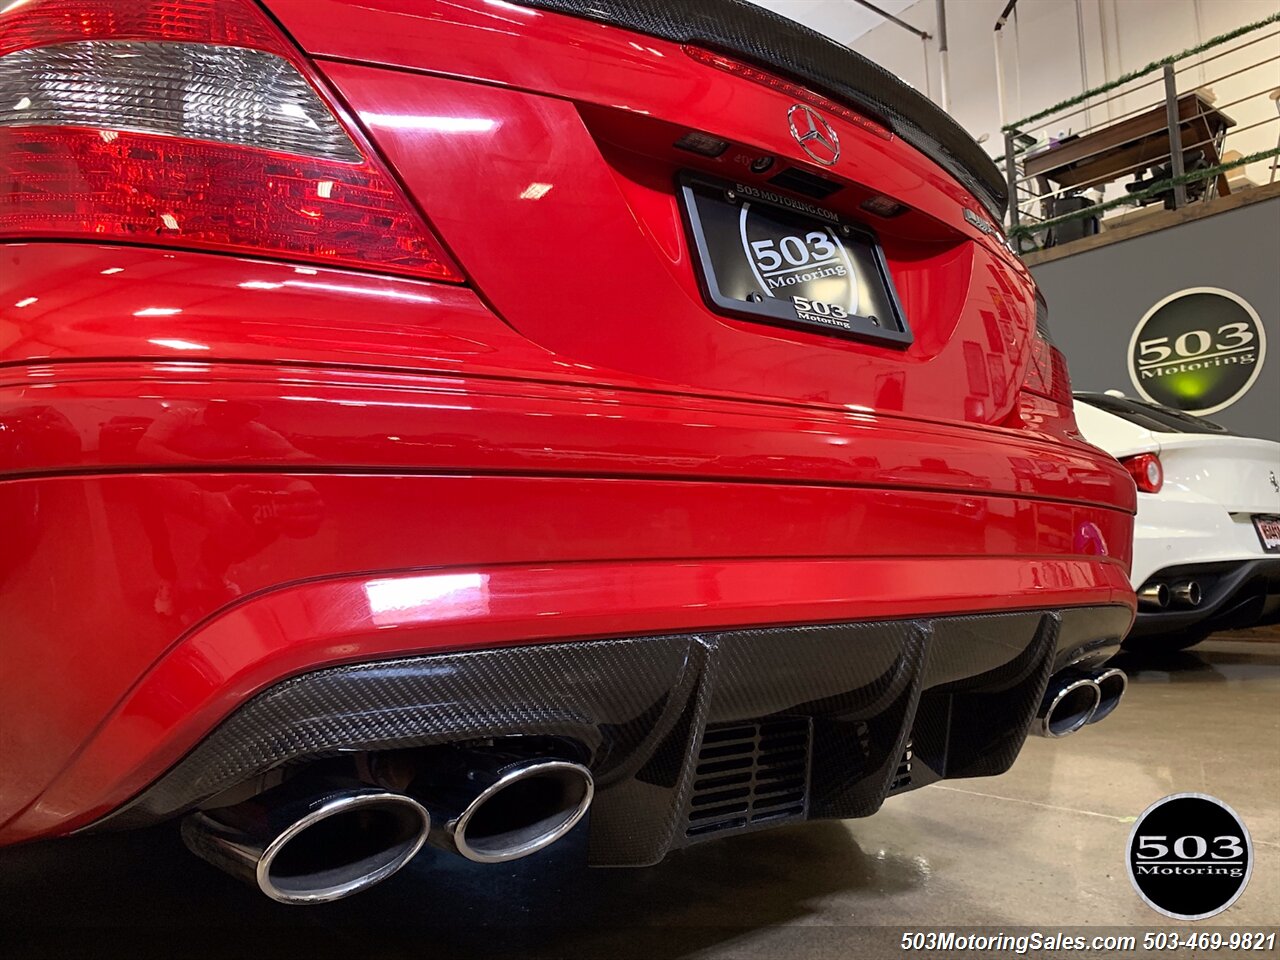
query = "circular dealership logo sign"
x=1197 y=350
x=1189 y=856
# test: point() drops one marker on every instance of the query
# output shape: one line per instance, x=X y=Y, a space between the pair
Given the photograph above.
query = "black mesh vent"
x=749 y=773
x=902 y=778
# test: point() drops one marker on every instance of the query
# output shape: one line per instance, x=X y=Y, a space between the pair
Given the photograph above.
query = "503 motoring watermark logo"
x=1189 y=856
x=1198 y=350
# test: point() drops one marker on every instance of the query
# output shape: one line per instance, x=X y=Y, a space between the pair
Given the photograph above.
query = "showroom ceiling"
x=842 y=20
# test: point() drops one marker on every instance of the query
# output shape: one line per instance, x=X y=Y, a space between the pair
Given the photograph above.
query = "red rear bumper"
x=283 y=469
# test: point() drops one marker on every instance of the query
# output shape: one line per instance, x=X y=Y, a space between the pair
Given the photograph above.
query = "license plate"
x=772 y=258
x=1268 y=528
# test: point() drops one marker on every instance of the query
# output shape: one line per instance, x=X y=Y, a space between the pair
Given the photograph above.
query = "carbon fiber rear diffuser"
x=833 y=712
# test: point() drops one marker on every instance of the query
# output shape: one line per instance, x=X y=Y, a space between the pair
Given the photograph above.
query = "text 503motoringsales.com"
x=1061 y=942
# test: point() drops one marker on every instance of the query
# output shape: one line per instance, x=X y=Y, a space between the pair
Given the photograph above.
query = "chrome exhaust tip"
x=1187 y=593
x=311 y=842
x=504 y=807
x=527 y=810
x=1112 y=684
x=1154 y=596
x=1069 y=704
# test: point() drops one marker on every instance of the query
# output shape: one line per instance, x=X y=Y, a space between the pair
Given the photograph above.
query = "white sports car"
x=1206 y=552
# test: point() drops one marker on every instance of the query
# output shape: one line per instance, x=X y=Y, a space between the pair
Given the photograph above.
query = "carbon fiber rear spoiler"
x=753 y=33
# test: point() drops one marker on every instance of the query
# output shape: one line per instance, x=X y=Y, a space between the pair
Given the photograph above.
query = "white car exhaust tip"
x=1154 y=596
x=1187 y=593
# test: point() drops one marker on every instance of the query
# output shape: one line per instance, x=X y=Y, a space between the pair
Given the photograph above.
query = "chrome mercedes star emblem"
x=815 y=136
x=1274 y=482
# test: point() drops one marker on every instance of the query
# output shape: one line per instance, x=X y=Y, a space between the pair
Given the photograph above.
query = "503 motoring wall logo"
x=1198 y=350
x=1189 y=856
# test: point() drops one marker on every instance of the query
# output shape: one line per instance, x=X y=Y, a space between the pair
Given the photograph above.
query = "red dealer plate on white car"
x=1268 y=532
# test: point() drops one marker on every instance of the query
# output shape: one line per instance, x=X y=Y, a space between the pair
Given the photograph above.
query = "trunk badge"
x=979 y=222
x=816 y=137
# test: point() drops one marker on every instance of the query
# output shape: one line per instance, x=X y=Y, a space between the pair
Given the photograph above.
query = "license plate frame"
x=1258 y=520
x=888 y=326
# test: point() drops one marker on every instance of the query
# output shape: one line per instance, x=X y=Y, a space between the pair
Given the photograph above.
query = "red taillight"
x=190 y=123
x=794 y=90
x=1146 y=471
x=1047 y=372
x=1047 y=368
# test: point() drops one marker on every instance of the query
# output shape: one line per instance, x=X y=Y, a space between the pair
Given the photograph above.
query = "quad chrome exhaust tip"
x=315 y=840
x=1112 y=684
x=1068 y=705
x=492 y=807
x=311 y=841
x=1076 y=699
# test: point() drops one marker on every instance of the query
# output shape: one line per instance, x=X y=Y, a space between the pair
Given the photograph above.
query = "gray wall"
x=1096 y=299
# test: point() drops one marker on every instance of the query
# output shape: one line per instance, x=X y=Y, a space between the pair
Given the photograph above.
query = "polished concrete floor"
x=1041 y=845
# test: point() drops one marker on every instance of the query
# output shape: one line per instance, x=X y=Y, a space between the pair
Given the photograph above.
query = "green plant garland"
x=1135 y=74
x=1159 y=186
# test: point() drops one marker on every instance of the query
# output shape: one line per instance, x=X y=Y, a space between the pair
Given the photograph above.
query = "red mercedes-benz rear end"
x=628 y=404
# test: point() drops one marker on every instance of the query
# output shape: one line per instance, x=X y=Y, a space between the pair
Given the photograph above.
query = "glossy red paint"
x=364 y=371
x=217 y=472
x=608 y=206
x=585 y=64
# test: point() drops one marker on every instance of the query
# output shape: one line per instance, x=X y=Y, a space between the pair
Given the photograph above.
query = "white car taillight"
x=1146 y=470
